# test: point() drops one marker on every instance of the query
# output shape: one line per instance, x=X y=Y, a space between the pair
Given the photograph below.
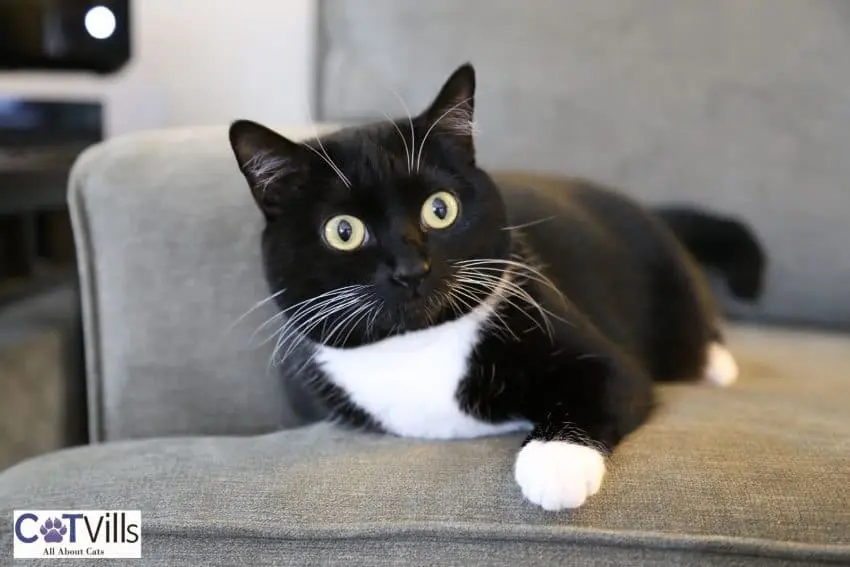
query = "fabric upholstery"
x=737 y=105
x=168 y=246
x=752 y=475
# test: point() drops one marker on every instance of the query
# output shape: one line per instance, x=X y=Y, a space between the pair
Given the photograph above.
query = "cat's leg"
x=685 y=340
x=581 y=409
x=687 y=343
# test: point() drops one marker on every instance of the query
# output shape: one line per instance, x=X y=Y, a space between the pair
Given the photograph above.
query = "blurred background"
x=737 y=105
x=75 y=72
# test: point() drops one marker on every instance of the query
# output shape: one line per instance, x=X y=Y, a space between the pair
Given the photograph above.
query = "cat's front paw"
x=558 y=474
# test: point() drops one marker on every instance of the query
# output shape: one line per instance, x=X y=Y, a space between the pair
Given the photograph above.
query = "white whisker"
x=372 y=321
x=448 y=298
x=517 y=291
x=408 y=156
x=365 y=313
x=502 y=323
x=492 y=269
x=453 y=126
x=528 y=224
x=324 y=153
x=310 y=313
x=254 y=308
x=409 y=121
x=509 y=290
x=298 y=331
x=527 y=271
x=298 y=307
x=340 y=326
x=327 y=160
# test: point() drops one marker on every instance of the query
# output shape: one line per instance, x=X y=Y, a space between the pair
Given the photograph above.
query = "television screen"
x=92 y=35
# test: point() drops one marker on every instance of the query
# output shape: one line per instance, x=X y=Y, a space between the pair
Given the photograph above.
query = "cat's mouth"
x=444 y=303
x=379 y=317
x=421 y=311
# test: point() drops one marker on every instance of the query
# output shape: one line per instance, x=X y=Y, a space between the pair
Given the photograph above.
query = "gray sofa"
x=190 y=426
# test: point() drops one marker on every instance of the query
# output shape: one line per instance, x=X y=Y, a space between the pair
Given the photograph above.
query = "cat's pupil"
x=343 y=229
x=440 y=209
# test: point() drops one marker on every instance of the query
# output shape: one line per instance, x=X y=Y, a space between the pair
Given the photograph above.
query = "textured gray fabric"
x=752 y=475
x=420 y=549
x=738 y=105
x=167 y=239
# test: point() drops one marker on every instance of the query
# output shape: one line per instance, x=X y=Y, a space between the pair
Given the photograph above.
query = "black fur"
x=722 y=243
x=629 y=306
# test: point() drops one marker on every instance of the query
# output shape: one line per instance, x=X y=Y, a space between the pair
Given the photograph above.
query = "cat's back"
x=572 y=220
x=601 y=248
x=575 y=206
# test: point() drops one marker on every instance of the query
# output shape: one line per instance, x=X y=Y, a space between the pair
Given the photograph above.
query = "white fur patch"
x=721 y=368
x=557 y=474
x=408 y=383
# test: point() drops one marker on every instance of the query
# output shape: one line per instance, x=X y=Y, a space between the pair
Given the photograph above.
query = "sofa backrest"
x=738 y=105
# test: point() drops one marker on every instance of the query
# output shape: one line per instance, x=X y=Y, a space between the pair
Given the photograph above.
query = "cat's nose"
x=409 y=273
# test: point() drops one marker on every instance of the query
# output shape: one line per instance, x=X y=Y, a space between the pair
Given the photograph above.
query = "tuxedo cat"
x=437 y=303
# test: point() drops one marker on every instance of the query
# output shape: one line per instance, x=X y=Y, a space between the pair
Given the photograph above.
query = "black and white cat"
x=437 y=304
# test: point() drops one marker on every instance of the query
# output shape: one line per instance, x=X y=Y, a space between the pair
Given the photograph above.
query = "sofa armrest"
x=167 y=242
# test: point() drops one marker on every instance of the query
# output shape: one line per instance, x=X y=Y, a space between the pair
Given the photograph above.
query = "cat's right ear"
x=271 y=164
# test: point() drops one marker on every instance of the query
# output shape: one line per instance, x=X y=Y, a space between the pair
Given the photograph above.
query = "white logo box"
x=89 y=534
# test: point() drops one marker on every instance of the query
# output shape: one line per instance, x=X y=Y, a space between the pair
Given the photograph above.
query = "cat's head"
x=375 y=230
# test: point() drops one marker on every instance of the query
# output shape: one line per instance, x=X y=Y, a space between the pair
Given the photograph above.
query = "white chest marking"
x=408 y=383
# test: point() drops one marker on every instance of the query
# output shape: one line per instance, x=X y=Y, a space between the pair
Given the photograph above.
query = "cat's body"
x=485 y=309
x=447 y=381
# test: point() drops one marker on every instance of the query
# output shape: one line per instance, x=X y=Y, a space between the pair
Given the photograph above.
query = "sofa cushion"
x=752 y=475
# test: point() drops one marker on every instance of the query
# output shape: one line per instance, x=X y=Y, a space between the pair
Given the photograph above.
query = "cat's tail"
x=723 y=243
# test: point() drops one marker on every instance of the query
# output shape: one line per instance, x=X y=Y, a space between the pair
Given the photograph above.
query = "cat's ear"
x=452 y=112
x=272 y=164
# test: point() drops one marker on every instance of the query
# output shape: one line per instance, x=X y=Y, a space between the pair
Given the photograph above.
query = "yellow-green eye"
x=440 y=210
x=345 y=233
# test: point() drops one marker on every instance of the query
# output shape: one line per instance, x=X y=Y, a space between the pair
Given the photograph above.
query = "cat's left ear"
x=452 y=112
x=272 y=165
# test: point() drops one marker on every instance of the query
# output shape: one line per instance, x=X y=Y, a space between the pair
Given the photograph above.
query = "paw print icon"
x=53 y=530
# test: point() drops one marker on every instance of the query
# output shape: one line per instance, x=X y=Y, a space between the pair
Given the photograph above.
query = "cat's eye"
x=345 y=232
x=440 y=210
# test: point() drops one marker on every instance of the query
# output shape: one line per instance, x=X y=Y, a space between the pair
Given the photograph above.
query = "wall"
x=200 y=62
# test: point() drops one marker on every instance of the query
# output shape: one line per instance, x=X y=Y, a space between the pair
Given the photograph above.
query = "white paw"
x=557 y=474
x=720 y=368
